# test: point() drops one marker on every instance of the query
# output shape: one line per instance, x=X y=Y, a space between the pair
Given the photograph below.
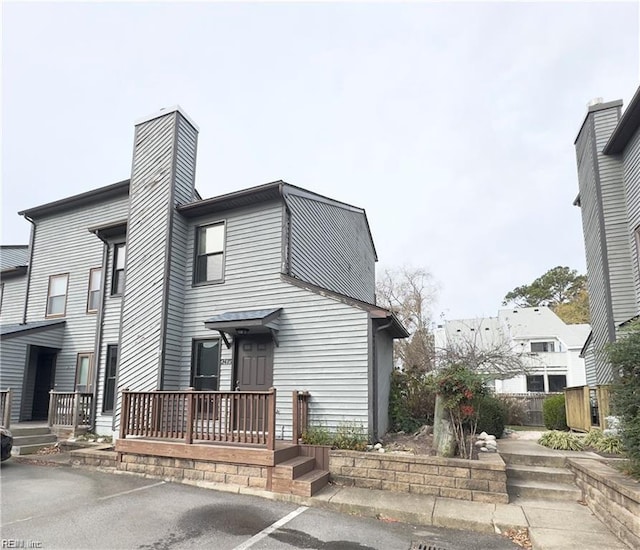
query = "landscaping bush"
x=593 y=438
x=610 y=444
x=554 y=414
x=624 y=356
x=412 y=401
x=348 y=435
x=492 y=415
x=515 y=409
x=562 y=441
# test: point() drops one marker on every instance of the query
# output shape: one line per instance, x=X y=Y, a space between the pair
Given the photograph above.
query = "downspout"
x=374 y=378
x=32 y=239
x=99 y=323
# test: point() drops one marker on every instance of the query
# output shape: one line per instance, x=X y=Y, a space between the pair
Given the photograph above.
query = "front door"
x=254 y=372
x=43 y=383
x=254 y=363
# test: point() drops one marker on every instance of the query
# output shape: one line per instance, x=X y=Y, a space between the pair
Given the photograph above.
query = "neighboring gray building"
x=144 y=285
x=608 y=157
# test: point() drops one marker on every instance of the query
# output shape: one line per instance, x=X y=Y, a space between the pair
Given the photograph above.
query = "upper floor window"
x=209 y=264
x=57 y=295
x=537 y=347
x=117 y=279
x=95 y=282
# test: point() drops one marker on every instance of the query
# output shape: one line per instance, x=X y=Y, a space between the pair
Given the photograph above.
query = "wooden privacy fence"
x=5 y=408
x=532 y=404
x=229 y=417
x=70 y=409
x=300 y=408
x=586 y=407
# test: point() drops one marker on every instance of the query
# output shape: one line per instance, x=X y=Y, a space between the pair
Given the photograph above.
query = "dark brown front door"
x=45 y=367
x=254 y=372
x=254 y=363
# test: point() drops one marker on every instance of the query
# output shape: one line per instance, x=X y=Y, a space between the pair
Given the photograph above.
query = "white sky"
x=451 y=124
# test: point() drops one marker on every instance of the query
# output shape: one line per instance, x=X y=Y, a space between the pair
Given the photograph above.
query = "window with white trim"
x=93 y=292
x=57 y=295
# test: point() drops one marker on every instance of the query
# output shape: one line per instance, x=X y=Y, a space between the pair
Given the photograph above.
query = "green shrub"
x=562 y=441
x=351 y=436
x=348 y=435
x=317 y=435
x=593 y=438
x=624 y=356
x=515 y=409
x=554 y=414
x=610 y=444
x=411 y=401
x=491 y=416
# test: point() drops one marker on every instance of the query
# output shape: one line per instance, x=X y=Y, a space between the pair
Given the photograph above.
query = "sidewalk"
x=552 y=525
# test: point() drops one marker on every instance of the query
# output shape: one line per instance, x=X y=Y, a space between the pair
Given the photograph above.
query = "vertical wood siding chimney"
x=162 y=177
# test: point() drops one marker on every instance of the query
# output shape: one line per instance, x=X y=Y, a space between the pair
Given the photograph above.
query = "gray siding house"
x=608 y=158
x=143 y=285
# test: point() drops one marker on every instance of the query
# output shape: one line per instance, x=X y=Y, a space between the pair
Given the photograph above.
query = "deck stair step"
x=24 y=431
x=310 y=483
x=29 y=440
x=539 y=473
x=543 y=490
x=294 y=467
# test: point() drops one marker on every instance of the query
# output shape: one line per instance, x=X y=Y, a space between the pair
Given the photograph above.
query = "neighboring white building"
x=549 y=347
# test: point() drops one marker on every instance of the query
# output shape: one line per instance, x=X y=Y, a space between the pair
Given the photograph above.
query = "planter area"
x=483 y=480
x=611 y=496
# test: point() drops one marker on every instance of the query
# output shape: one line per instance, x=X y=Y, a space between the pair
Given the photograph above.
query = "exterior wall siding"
x=63 y=244
x=596 y=253
x=323 y=342
x=14 y=292
x=13 y=357
x=331 y=247
x=384 y=362
x=631 y=160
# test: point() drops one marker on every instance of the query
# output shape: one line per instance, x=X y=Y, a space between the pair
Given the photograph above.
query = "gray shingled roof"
x=231 y=316
x=13 y=256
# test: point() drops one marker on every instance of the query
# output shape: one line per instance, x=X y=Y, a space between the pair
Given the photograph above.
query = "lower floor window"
x=205 y=365
x=111 y=369
x=557 y=382
x=535 y=383
x=84 y=373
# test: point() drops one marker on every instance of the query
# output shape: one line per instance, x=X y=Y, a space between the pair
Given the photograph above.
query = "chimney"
x=162 y=176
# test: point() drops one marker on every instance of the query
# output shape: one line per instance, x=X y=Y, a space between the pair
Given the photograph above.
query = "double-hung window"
x=84 y=370
x=209 y=264
x=111 y=369
x=93 y=293
x=117 y=279
x=57 y=295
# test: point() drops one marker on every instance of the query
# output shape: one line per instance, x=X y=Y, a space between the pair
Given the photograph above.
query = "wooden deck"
x=210 y=452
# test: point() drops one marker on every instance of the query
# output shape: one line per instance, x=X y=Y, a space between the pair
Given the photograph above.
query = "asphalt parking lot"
x=58 y=507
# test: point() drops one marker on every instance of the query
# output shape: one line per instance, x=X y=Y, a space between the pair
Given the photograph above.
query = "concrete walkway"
x=552 y=525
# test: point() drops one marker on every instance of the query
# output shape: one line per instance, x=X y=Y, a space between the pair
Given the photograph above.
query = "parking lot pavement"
x=56 y=507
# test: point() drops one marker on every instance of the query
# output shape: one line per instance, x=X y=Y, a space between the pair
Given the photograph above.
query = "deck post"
x=75 y=412
x=124 y=413
x=6 y=414
x=52 y=406
x=188 y=437
x=271 y=420
x=295 y=421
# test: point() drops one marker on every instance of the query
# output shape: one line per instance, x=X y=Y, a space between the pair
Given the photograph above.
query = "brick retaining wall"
x=483 y=480
x=611 y=496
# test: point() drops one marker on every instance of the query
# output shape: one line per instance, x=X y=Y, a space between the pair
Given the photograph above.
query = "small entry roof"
x=241 y=323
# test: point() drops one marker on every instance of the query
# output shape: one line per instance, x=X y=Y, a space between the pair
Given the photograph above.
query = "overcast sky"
x=451 y=124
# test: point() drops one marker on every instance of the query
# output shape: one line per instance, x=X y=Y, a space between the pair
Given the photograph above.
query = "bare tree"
x=410 y=293
x=484 y=349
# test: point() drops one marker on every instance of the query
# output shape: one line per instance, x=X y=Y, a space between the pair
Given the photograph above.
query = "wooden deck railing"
x=300 y=414
x=70 y=409
x=229 y=417
x=5 y=408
